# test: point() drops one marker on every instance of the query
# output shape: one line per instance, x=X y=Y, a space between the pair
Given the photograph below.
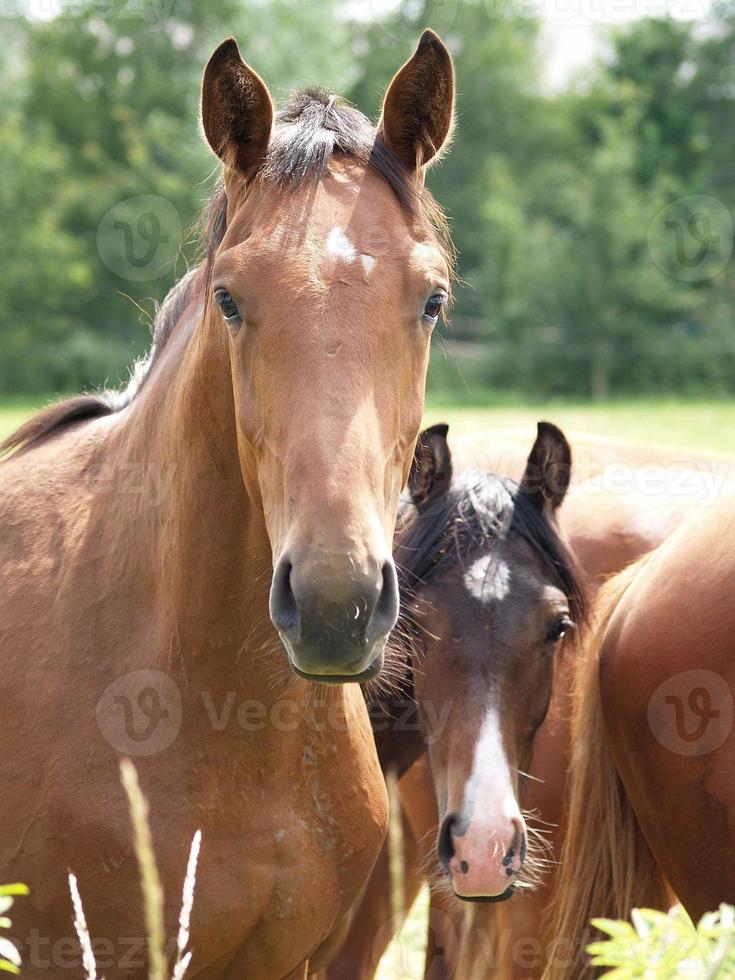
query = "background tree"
x=575 y=257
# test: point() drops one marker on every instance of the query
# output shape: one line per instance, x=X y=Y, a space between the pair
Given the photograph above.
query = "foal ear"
x=431 y=470
x=237 y=111
x=549 y=469
x=419 y=106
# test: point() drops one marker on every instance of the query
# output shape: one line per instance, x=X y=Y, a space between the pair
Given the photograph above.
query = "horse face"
x=328 y=290
x=491 y=620
x=492 y=630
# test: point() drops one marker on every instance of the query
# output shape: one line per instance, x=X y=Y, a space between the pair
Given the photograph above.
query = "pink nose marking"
x=512 y=861
x=479 y=865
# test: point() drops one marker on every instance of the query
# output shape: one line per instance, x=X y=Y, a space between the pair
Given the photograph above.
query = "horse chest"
x=286 y=862
x=291 y=805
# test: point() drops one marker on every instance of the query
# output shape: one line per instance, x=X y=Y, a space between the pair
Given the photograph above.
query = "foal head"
x=327 y=276
x=493 y=592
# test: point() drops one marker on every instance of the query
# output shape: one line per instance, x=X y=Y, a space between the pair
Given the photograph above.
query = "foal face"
x=492 y=631
x=491 y=625
x=328 y=290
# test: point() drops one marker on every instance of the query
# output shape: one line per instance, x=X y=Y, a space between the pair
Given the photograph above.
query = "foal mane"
x=477 y=510
x=313 y=128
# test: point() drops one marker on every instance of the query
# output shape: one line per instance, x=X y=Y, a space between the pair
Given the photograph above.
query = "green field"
x=11 y=417
x=708 y=426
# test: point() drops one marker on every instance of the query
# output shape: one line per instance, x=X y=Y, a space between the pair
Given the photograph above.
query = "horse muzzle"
x=334 y=628
x=483 y=858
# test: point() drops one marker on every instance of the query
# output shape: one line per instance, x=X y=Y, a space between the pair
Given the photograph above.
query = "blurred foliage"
x=552 y=195
x=9 y=955
x=660 y=946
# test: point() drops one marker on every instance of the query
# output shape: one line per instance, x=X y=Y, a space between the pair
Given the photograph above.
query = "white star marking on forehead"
x=488 y=578
x=339 y=246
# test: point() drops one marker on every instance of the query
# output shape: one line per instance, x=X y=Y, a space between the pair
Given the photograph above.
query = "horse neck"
x=202 y=539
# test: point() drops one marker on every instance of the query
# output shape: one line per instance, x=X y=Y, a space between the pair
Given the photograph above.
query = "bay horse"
x=653 y=740
x=489 y=591
x=606 y=528
x=210 y=628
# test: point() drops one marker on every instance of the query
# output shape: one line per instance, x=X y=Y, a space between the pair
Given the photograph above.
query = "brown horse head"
x=493 y=592
x=327 y=278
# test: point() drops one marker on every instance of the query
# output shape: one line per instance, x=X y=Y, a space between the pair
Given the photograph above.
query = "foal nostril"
x=515 y=856
x=522 y=850
x=283 y=609
x=519 y=840
x=445 y=843
x=385 y=613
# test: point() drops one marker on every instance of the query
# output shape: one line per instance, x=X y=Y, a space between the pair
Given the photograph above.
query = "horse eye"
x=227 y=305
x=559 y=628
x=434 y=306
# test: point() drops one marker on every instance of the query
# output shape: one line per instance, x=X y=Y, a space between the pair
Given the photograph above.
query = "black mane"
x=458 y=526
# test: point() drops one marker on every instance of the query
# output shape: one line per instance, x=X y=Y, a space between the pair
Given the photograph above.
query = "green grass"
x=708 y=426
x=11 y=417
x=405 y=957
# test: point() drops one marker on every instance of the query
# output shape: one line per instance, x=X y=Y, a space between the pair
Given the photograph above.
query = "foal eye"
x=434 y=306
x=227 y=305
x=559 y=629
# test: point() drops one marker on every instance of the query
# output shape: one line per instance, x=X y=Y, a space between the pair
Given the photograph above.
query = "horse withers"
x=281 y=404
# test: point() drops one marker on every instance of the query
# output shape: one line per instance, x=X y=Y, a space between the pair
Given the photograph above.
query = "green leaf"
x=615 y=928
x=9 y=952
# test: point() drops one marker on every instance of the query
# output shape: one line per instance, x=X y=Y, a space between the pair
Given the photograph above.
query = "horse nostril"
x=385 y=613
x=445 y=843
x=283 y=609
x=519 y=840
x=515 y=855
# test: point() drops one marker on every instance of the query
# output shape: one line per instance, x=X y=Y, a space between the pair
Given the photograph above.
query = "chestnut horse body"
x=654 y=697
x=155 y=547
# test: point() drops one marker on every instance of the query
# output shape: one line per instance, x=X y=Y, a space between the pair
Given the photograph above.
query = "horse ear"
x=237 y=111
x=549 y=469
x=419 y=106
x=431 y=470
